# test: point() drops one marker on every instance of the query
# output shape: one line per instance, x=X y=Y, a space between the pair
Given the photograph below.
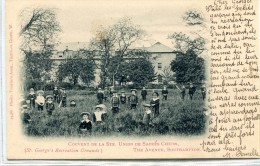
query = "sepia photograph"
x=113 y=79
x=113 y=70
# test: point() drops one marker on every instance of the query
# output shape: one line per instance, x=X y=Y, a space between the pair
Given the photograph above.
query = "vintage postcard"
x=114 y=79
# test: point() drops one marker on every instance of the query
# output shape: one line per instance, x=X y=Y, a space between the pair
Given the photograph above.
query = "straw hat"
x=85 y=113
x=49 y=96
x=40 y=92
x=146 y=105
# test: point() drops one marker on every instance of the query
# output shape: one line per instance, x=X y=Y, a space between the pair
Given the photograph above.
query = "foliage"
x=76 y=68
x=37 y=65
x=188 y=68
x=193 y=17
x=140 y=71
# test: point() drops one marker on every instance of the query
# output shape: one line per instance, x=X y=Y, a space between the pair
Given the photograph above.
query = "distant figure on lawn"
x=85 y=126
x=144 y=93
x=192 y=90
x=183 y=92
x=164 y=93
x=100 y=117
x=203 y=91
x=115 y=101
x=32 y=97
x=72 y=103
x=26 y=118
x=49 y=104
x=123 y=97
x=155 y=103
x=63 y=97
x=147 y=115
x=56 y=94
x=106 y=94
x=100 y=96
x=133 y=99
x=40 y=100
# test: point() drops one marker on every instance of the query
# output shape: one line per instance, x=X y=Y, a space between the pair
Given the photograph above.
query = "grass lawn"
x=176 y=117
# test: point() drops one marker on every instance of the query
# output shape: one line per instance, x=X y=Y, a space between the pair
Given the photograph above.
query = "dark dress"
x=26 y=118
x=56 y=95
x=183 y=92
x=165 y=94
x=133 y=99
x=123 y=99
x=106 y=95
x=192 y=91
x=144 y=94
x=50 y=107
x=100 y=97
x=85 y=126
x=64 y=99
x=155 y=107
x=115 y=104
x=32 y=98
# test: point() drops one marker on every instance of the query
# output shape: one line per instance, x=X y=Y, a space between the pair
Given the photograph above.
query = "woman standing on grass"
x=155 y=103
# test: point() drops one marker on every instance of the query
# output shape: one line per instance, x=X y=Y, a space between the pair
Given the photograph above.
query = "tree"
x=36 y=66
x=76 y=68
x=39 y=33
x=115 y=40
x=188 y=67
x=184 y=43
x=39 y=29
x=140 y=71
x=193 y=40
x=193 y=17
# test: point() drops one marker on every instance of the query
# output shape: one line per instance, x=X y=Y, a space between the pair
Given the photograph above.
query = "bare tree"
x=39 y=29
x=116 y=40
x=184 y=43
x=39 y=34
x=193 y=40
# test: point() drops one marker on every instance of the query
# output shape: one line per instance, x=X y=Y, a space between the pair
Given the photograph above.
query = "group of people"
x=59 y=96
x=99 y=117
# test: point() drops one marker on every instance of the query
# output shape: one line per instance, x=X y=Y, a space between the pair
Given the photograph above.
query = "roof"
x=158 y=47
x=74 y=46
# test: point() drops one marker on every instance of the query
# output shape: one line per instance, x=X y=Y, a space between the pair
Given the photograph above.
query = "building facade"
x=161 y=58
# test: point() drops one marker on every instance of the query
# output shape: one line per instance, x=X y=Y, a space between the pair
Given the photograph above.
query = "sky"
x=157 y=18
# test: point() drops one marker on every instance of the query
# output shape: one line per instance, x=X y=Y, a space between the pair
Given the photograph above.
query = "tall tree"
x=188 y=67
x=39 y=34
x=116 y=40
x=39 y=29
x=140 y=71
x=192 y=40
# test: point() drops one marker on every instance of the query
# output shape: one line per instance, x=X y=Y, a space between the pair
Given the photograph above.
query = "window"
x=159 y=79
x=159 y=66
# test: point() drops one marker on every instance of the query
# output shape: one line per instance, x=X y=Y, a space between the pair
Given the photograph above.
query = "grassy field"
x=176 y=117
